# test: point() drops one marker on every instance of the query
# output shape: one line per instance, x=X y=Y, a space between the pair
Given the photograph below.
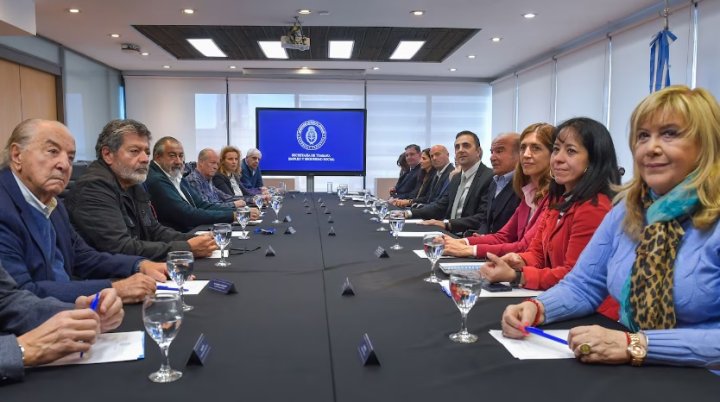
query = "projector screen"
x=311 y=142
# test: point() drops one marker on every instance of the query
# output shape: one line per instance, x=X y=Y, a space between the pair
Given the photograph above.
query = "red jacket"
x=515 y=236
x=559 y=242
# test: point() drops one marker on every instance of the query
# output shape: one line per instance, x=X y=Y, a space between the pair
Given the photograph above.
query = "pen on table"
x=93 y=306
x=540 y=332
x=163 y=287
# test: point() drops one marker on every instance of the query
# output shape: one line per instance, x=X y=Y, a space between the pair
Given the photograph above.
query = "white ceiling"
x=558 y=22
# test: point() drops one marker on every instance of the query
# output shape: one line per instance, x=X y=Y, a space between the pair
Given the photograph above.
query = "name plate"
x=269 y=252
x=330 y=219
x=367 y=354
x=331 y=232
x=328 y=212
x=199 y=352
x=347 y=288
x=287 y=219
x=290 y=230
x=222 y=286
x=381 y=253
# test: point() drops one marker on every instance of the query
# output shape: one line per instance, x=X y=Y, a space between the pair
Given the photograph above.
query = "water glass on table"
x=434 y=245
x=180 y=267
x=222 y=232
x=162 y=315
x=464 y=292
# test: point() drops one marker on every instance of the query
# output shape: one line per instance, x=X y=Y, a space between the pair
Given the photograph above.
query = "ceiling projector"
x=301 y=43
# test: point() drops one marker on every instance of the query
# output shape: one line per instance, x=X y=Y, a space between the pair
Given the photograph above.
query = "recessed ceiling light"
x=417 y=13
x=207 y=47
x=529 y=15
x=304 y=11
x=340 y=49
x=114 y=35
x=305 y=70
x=145 y=54
x=272 y=49
x=471 y=56
x=73 y=10
x=188 y=11
x=233 y=67
x=166 y=66
x=496 y=39
x=323 y=12
x=406 y=49
x=376 y=68
x=453 y=69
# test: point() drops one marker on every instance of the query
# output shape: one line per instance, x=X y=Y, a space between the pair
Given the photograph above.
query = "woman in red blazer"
x=531 y=183
x=584 y=166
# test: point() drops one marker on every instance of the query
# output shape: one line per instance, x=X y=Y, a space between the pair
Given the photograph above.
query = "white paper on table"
x=113 y=347
x=536 y=347
x=255 y=222
x=216 y=254
x=190 y=287
x=360 y=206
x=412 y=221
x=515 y=292
x=421 y=254
x=235 y=233
x=417 y=234
x=460 y=267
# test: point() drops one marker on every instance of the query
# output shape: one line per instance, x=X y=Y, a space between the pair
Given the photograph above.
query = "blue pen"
x=93 y=306
x=540 y=332
x=163 y=287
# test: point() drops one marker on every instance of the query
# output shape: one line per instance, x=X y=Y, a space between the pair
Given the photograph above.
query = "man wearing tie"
x=408 y=184
x=466 y=190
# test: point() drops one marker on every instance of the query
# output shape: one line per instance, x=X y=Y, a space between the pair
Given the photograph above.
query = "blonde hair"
x=701 y=113
x=226 y=150
x=544 y=136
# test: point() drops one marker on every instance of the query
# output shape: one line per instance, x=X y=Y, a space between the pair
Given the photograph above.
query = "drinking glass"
x=464 y=292
x=242 y=215
x=162 y=315
x=272 y=190
x=374 y=210
x=342 y=192
x=433 y=244
x=382 y=208
x=330 y=187
x=180 y=267
x=258 y=200
x=397 y=221
x=367 y=197
x=276 y=204
x=222 y=232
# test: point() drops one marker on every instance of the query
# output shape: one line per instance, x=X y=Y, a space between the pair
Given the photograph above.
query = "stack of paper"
x=115 y=347
x=536 y=347
x=189 y=288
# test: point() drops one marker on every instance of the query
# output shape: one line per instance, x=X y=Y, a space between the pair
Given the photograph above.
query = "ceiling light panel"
x=272 y=49
x=207 y=47
x=406 y=49
x=341 y=49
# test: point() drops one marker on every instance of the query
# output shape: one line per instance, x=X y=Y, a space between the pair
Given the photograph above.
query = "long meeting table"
x=289 y=334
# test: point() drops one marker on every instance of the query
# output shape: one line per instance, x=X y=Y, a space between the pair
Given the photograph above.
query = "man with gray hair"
x=251 y=175
x=112 y=190
x=200 y=179
x=38 y=246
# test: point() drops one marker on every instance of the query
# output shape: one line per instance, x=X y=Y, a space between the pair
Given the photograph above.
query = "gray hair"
x=204 y=154
x=22 y=135
x=159 y=147
x=113 y=134
x=253 y=151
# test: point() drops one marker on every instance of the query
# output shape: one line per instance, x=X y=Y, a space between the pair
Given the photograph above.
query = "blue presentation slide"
x=311 y=141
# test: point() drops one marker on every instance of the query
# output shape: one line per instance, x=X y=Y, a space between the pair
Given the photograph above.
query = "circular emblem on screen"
x=311 y=135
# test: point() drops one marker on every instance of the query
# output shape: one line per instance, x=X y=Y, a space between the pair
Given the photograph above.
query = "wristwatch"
x=518 y=277
x=636 y=350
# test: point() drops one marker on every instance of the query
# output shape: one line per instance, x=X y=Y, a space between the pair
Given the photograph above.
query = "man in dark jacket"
x=111 y=191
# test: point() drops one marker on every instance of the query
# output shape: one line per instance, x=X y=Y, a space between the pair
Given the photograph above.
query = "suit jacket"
x=560 y=240
x=174 y=211
x=442 y=208
x=249 y=180
x=498 y=209
x=30 y=264
x=408 y=184
x=437 y=188
x=20 y=311
x=129 y=224
x=222 y=183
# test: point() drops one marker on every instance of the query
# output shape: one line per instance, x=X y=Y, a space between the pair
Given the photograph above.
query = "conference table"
x=289 y=334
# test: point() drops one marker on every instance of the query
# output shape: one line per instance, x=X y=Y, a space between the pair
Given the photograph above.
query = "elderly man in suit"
x=466 y=190
x=500 y=200
x=38 y=246
x=407 y=185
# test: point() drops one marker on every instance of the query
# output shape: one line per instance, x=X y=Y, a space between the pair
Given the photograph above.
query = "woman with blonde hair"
x=658 y=250
x=227 y=178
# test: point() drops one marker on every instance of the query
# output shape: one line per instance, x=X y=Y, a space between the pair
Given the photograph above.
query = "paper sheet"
x=360 y=206
x=516 y=292
x=536 y=347
x=235 y=233
x=408 y=221
x=417 y=234
x=421 y=254
x=114 y=347
x=190 y=287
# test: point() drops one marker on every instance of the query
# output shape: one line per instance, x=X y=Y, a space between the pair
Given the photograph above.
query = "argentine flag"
x=660 y=60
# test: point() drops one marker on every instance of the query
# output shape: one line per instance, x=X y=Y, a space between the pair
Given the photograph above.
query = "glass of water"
x=222 y=232
x=162 y=315
x=342 y=192
x=258 y=200
x=367 y=198
x=242 y=216
x=397 y=222
x=276 y=204
x=433 y=244
x=464 y=292
x=180 y=267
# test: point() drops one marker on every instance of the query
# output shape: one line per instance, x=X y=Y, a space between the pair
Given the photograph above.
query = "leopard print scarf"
x=651 y=279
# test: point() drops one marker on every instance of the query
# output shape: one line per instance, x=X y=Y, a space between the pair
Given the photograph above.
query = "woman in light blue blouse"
x=658 y=250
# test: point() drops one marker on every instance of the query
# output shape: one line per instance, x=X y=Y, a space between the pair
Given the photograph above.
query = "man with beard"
x=177 y=204
x=110 y=208
x=38 y=245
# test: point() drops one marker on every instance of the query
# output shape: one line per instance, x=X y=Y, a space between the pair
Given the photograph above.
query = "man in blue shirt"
x=251 y=175
x=200 y=179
